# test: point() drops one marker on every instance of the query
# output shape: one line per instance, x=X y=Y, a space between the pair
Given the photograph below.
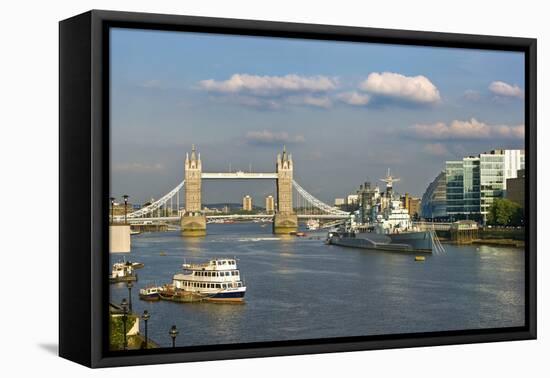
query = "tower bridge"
x=289 y=207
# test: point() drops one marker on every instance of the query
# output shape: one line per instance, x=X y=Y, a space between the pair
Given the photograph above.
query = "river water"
x=300 y=288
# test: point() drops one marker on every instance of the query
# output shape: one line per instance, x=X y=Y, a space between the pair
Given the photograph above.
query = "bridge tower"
x=193 y=222
x=285 y=220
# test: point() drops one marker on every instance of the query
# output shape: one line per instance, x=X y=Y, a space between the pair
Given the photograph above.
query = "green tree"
x=504 y=212
x=117 y=331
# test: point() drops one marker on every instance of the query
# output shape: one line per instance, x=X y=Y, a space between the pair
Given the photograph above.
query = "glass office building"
x=475 y=181
x=434 y=200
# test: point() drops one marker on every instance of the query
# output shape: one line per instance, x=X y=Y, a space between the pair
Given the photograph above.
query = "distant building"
x=247 y=203
x=352 y=199
x=412 y=204
x=208 y=210
x=339 y=202
x=474 y=182
x=269 y=205
x=434 y=200
x=515 y=188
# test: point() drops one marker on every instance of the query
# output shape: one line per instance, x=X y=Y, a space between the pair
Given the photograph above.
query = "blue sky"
x=346 y=111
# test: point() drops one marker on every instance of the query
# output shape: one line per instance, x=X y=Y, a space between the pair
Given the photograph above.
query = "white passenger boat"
x=218 y=280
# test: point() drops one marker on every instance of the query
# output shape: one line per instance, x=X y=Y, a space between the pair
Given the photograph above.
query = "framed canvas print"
x=234 y=188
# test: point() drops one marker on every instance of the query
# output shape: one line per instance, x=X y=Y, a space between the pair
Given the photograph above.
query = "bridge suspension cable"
x=304 y=201
x=156 y=205
x=316 y=203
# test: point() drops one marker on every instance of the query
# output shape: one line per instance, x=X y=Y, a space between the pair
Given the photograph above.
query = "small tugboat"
x=150 y=293
x=171 y=293
x=122 y=272
x=218 y=280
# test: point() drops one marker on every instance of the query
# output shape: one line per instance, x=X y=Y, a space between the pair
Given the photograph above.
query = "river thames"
x=300 y=288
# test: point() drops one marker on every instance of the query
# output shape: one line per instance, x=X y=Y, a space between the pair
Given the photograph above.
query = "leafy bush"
x=504 y=212
x=117 y=330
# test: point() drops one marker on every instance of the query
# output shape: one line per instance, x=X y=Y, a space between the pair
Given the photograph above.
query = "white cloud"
x=418 y=89
x=503 y=89
x=354 y=98
x=472 y=129
x=269 y=85
x=266 y=137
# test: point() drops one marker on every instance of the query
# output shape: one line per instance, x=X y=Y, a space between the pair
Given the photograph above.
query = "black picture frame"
x=84 y=184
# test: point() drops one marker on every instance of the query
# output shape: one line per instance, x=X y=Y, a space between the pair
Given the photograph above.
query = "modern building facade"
x=474 y=182
x=496 y=168
x=247 y=203
x=434 y=200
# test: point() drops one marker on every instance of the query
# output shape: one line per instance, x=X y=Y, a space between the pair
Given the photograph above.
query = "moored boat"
x=390 y=227
x=170 y=293
x=417 y=243
x=150 y=293
x=122 y=272
x=218 y=280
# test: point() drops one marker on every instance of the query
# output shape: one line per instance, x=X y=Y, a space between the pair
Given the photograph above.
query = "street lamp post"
x=124 y=305
x=125 y=206
x=129 y=285
x=145 y=318
x=112 y=209
x=173 y=334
